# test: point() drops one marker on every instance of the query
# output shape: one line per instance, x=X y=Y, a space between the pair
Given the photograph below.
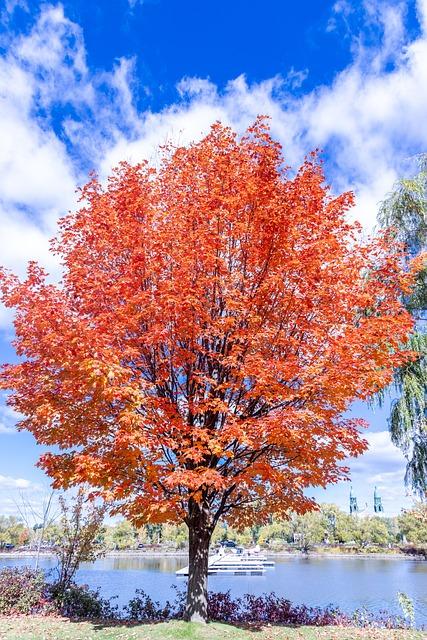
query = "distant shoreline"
x=132 y=553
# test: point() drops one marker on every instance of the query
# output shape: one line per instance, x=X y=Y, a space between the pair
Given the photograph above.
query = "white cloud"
x=422 y=13
x=6 y=482
x=42 y=158
x=4 y=429
x=11 y=5
x=27 y=500
x=37 y=179
x=381 y=454
x=383 y=465
x=8 y=418
x=367 y=120
x=35 y=170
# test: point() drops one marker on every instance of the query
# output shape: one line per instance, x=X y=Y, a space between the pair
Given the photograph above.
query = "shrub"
x=78 y=601
x=415 y=550
x=267 y=608
x=142 y=608
x=22 y=591
x=25 y=591
x=272 y=609
x=221 y=606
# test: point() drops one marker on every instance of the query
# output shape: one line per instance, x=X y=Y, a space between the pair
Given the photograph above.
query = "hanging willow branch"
x=405 y=210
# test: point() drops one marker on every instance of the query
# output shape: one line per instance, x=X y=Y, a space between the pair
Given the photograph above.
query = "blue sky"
x=84 y=85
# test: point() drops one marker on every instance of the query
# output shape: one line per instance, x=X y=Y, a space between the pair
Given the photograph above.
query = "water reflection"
x=349 y=583
x=164 y=564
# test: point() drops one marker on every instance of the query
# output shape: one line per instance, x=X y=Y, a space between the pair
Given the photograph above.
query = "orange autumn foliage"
x=216 y=318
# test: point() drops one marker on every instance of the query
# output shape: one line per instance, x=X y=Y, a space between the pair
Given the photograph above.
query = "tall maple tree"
x=215 y=319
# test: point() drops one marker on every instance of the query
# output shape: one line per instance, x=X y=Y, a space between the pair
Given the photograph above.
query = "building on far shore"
x=356 y=510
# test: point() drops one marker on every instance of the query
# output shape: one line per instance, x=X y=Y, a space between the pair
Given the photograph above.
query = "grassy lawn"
x=55 y=629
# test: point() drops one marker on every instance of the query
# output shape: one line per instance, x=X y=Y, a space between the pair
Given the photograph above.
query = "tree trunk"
x=198 y=551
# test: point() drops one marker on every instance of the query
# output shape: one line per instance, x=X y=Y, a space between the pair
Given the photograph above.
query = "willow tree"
x=215 y=320
x=405 y=210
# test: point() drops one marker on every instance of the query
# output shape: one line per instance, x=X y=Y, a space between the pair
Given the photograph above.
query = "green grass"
x=60 y=629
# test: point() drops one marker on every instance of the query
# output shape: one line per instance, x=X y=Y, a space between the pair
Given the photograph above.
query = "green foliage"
x=308 y=530
x=408 y=425
x=154 y=532
x=407 y=607
x=122 y=535
x=405 y=210
x=12 y=531
x=394 y=533
x=413 y=524
x=372 y=530
x=328 y=525
x=340 y=526
x=276 y=534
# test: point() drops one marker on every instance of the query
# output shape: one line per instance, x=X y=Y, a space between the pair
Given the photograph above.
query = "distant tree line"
x=329 y=525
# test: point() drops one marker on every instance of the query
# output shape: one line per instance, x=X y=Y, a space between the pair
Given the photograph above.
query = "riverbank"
x=272 y=554
x=33 y=628
x=133 y=553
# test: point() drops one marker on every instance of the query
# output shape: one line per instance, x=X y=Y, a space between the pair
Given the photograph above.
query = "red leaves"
x=215 y=320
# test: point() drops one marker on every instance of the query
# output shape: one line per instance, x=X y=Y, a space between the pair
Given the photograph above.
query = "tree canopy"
x=217 y=316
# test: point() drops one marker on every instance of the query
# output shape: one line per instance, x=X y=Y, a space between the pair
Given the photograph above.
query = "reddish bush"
x=22 y=591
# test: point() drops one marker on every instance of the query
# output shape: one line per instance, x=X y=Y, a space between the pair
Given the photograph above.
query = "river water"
x=349 y=583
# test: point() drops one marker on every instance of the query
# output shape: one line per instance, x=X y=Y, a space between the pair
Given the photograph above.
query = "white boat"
x=256 y=553
x=238 y=561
